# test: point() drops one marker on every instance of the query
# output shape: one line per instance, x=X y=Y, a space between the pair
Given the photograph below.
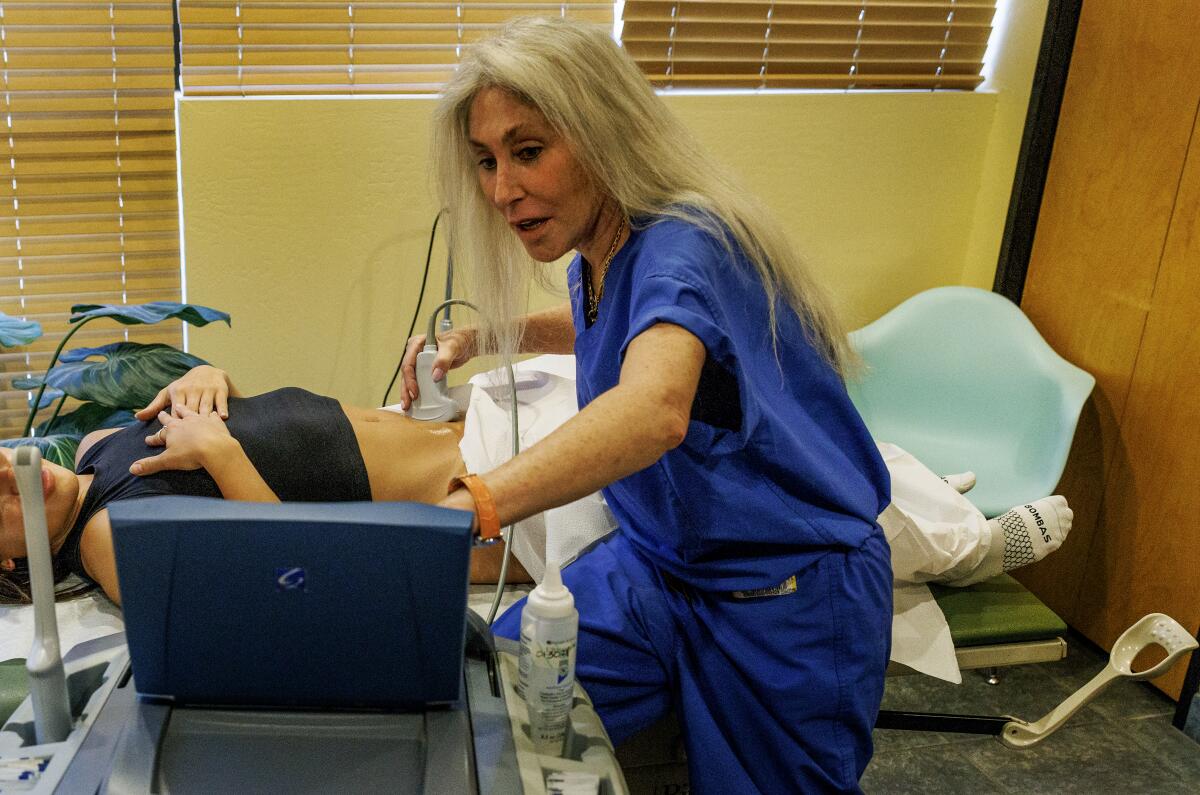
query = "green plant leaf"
x=14 y=331
x=128 y=375
x=59 y=447
x=48 y=397
x=83 y=354
x=87 y=418
x=153 y=312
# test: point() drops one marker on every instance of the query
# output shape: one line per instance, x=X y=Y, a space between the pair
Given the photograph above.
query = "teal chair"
x=961 y=379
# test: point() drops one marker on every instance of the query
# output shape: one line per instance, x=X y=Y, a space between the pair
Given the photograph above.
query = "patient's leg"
x=1020 y=536
x=937 y=535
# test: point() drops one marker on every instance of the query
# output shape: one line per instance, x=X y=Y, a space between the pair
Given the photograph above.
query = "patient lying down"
x=286 y=445
x=292 y=445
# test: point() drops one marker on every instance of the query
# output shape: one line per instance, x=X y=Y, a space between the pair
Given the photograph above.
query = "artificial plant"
x=112 y=381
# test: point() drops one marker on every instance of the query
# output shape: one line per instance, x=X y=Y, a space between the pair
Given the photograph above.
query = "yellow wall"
x=1019 y=27
x=308 y=219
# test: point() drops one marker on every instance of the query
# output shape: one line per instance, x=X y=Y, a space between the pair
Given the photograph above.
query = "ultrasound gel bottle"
x=549 y=631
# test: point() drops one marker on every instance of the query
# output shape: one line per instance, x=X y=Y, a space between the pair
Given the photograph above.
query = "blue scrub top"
x=731 y=508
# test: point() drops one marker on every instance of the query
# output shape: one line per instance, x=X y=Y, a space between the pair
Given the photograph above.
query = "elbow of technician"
x=665 y=424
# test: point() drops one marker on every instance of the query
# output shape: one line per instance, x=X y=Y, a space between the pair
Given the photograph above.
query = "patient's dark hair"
x=15 y=590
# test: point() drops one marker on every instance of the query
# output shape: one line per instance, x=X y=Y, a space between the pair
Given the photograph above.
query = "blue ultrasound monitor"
x=329 y=605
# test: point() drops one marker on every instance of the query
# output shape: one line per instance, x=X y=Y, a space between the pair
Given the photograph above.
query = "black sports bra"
x=301 y=443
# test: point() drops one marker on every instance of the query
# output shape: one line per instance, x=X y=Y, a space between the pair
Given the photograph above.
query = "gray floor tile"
x=1024 y=692
x=1192 y=726
x=1167 y=745
x=889 y=740
x=945 y=770
x=1095 y=757
x=1122 y=743
x=1126 y=699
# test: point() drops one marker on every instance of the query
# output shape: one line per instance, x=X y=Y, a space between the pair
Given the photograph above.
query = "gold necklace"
x=596 y=293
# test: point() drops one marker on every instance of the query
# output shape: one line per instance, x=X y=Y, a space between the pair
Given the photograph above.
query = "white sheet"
x=90 y=616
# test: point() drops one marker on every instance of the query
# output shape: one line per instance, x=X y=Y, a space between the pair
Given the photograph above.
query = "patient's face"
x=60 y=489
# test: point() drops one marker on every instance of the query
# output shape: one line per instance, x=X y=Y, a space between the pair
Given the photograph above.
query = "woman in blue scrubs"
x=749 y=586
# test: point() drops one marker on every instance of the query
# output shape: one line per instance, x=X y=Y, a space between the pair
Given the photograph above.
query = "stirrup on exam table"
x=1154 y=629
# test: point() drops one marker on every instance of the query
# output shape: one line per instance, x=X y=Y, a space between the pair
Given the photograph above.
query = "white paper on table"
x=935 y=533
x=85 y=618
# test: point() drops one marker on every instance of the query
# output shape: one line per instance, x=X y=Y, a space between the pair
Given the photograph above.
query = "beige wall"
x=307 y=219
x=1010 y=76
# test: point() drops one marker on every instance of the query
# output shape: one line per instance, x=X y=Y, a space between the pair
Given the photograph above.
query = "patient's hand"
x=193 y=441
x=202 y=389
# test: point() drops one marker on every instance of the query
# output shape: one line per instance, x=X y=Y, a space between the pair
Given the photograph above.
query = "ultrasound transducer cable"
x=417 y=309
x=434 y=403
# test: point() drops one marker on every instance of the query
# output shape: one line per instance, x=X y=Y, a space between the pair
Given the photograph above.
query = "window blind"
x=831 y=44
x=90 y=212
x=263 y=47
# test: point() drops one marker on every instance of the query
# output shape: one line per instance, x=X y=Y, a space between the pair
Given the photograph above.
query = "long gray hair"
x=632 y=147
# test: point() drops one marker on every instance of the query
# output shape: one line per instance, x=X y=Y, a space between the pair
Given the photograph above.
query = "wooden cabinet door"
x=1112 y=285
x=1146 y=557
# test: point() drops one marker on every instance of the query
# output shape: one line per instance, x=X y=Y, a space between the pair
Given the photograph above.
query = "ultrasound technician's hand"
x=201 y=389
x=193 y=441
x=455 y=348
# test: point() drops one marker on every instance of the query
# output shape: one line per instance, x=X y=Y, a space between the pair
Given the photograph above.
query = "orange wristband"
x=485 y=506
